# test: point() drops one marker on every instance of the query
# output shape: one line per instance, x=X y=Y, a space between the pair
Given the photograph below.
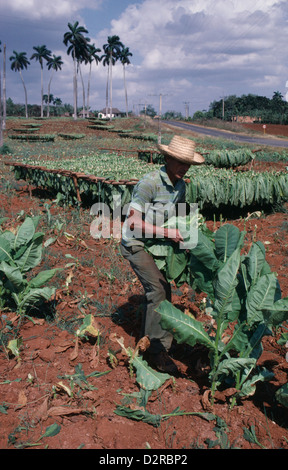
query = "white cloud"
x=239 y=42
x=196 y=25
x=195 y=50
x=39 y=9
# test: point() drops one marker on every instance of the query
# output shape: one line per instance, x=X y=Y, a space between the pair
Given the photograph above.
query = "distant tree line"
x=260 y=108
x=34 y=110
x=267 y=110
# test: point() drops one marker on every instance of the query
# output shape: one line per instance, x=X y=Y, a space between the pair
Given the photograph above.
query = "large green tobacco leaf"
x=227 y=239
x=188 y=226
x=42 y=278
x=254 y=347
x=139 y=415
x=203 y=265
x=226 y=283
x=176 y=261
x=255 y=261
x=160 y=263
x=184 y=328
x=233 y=365
x=278 y=313
x=5 y=249
x=205 y=252
x=148 y=378
x=156 y=248
x=33 y=253
x=262 y=296
x=248 y=388
x=24 y=234
x=239 y=340
x=201 y=276
x=36 y=295
x=15 y=281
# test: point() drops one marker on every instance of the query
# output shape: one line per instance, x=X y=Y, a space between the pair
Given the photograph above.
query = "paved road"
x=230 y=136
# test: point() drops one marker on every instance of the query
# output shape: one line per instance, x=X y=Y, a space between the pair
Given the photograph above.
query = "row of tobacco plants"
x=101 y=176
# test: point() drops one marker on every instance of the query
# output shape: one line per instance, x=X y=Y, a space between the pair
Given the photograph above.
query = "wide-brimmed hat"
x=182 y=149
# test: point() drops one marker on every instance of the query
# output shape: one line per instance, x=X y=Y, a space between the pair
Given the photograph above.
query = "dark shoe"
x=163 y=363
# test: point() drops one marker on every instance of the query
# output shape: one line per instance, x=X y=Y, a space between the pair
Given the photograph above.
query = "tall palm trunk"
x=110 y=66
x=49 y=88
x=125 y=87
x=83 y=90
x=41 y=90
x=107 y=87
x=75 y=85
x=25 y=91
x=88 y=89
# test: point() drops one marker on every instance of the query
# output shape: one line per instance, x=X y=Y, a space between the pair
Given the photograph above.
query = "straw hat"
x=182 y=149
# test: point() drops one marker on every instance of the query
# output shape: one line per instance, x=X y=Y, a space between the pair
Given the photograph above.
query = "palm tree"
x=47 y=100
x=42 y=53
x=78 y=44
x=57 y=102
x=82 y=55
x=55 y=64
x=20 y=62
x=124 y=59
x=92 y=50
x=105 y=61
x=112 y=49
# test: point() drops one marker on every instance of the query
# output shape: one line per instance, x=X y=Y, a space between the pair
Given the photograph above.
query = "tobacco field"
x=72 y=375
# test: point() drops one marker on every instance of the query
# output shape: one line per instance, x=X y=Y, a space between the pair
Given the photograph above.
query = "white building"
x=115 y=113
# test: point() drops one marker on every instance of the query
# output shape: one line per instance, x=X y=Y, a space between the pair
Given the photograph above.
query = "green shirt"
x=156 y=197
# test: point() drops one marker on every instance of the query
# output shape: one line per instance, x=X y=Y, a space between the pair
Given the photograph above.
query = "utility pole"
x=145 y=108
x=186 y=109
x=159 y=117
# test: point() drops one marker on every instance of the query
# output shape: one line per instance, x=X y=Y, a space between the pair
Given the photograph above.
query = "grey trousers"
x=156 y=289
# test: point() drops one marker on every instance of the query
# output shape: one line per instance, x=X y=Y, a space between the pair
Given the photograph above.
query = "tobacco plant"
x=245 y=303
x=20 y=252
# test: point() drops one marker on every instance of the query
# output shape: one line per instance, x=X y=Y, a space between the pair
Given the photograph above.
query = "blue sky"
x=190 y=51
x=108 y=10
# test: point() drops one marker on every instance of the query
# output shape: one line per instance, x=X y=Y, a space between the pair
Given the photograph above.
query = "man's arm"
x=149 y=230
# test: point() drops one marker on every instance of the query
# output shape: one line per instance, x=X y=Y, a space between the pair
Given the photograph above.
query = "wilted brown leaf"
x=22 y=400
x=65 y=411
x=205 y=400
x=74 y=353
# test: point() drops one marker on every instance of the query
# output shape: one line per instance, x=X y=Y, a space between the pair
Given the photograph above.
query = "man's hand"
x=173 y=234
